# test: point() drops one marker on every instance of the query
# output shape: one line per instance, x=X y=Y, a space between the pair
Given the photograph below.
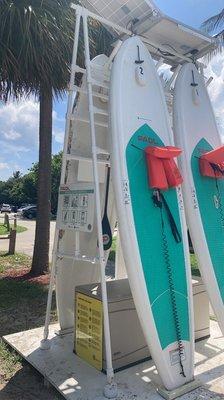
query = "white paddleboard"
x=73 y=273
x=139 y=119
x=196 y=132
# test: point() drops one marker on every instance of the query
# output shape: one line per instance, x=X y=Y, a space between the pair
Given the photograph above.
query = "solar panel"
x=121 y=12
x=164 y=33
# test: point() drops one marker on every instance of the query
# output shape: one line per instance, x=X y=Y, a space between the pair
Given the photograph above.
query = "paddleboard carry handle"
x=139 y=61
x=163 y=172
x=195 y=94
x=211 y=163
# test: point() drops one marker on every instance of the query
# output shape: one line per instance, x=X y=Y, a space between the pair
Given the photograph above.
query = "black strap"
x=220 y=205
x=159 y=200
x=216 y=168
x=107 y=190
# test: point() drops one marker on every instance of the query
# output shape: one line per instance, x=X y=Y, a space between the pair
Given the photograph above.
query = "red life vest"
x=162 y=169
x=212 y=163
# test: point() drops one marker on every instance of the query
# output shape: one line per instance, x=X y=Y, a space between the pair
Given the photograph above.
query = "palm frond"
x=36 y=41
x=214 y=23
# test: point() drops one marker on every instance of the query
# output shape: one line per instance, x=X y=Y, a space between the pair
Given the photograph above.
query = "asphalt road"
x=25 y=240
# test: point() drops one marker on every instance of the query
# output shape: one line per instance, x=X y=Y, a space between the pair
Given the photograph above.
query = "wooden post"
x=15 y=221
x=12 y=241
x=6 y=222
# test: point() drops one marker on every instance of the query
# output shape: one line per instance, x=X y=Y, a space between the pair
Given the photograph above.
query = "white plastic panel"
x=85 y=171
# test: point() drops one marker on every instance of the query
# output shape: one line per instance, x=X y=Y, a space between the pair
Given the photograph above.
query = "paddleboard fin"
x=212 y=163
x=163 y=172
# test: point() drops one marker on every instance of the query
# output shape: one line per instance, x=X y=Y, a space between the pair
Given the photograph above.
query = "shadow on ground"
x=22 y=307
x=27 y=384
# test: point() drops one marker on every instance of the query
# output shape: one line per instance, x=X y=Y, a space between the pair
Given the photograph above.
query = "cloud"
x=19 y=122
x=58 y=128
x=3 y=165
x=58 y=135
x=12 y=149
x=19 y=135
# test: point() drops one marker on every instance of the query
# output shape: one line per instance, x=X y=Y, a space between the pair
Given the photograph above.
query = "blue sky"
x=19 y=121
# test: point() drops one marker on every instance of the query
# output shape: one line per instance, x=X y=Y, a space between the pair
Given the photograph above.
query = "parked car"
x=24 y=205
x=14 y=209
x=29 y=212
x=5 y=208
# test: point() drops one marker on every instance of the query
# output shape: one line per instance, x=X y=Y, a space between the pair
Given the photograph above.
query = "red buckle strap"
x=162 y=169
x=212 y=163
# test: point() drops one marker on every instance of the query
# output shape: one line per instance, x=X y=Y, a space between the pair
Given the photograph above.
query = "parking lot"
x=25 y=240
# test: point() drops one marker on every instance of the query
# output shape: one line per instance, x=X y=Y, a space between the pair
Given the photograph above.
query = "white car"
x=6 y=208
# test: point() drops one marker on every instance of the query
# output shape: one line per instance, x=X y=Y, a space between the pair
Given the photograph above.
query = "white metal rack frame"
x=110 y=389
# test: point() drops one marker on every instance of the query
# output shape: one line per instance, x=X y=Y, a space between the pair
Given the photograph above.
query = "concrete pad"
x=174 y=394
x=76 y=380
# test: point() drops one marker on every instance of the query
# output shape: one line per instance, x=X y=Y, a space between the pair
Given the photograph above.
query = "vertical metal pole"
x=77 y=243
x=44 y=342
x=110 y=372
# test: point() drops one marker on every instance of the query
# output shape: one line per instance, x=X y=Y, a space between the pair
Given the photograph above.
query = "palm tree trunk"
x=40 y=261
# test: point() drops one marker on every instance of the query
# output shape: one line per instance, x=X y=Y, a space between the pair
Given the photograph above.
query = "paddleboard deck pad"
x=196 y=133
x=157 y=265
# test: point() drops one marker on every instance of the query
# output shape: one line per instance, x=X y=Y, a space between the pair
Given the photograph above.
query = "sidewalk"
x=25 y=240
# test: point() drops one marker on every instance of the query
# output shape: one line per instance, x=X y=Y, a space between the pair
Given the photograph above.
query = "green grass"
x=22 y=307
x=113 y=250
x=15 y=261
x=194 y=265
x=22 y=303
x=13 y=292
x=10 y=362
x=4 y=231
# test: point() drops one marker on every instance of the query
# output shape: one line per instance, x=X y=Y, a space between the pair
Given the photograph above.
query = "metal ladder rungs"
x=101 y=68
x=93 y=80
x=95 y=94
x=79 y=69
x=74 y=157
x=99 y=150
x=86 y=121
x=99 y=83
x=100 y=111
x=80 y=257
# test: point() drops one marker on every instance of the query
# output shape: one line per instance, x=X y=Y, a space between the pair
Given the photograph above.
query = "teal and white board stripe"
x=149 y=235
x=210 y=195
x=196 y=132
x=139 y=118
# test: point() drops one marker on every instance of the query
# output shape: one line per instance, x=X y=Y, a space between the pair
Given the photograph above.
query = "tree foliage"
x=21 y=189
x=215 y=25
x=36 y=39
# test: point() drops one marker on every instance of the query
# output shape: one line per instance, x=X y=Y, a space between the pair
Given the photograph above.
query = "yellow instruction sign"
x=89 y=331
